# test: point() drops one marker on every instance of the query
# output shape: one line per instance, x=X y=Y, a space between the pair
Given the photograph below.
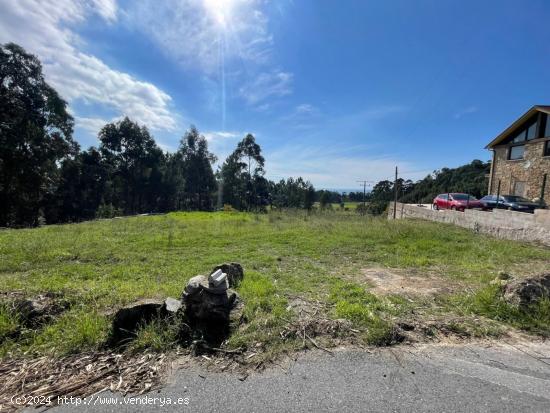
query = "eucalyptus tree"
x=134 y=163
x=35 y=137
x=200 y=182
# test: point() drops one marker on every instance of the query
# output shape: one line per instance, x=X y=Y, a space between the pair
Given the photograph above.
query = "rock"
x=41 y=309
x=234 y=271
x=171 y=306
x=208 y=307
x=503 y=275
x=30 y=309
x=127 y=320
x=528 y=291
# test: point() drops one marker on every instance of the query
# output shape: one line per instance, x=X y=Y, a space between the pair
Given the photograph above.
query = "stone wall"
x=499 y=223
x=530 y=170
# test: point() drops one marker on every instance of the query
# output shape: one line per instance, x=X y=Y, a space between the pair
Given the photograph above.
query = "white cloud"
x=44 y=28
x=465 y=111
x=106 y=9
x=335 y=168
x=216 y=135
x=306 y=109
x=267 y=85
x=92 y=125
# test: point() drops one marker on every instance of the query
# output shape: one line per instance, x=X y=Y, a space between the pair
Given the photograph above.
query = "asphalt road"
x=471 y=378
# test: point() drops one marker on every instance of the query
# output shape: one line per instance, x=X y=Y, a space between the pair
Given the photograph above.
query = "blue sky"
x=335 y=91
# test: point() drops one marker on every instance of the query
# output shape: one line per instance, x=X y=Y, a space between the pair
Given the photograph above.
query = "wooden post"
x=498 y=193
x=543 y=188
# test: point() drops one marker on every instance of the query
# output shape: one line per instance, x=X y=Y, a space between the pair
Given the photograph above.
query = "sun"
x=220 y=10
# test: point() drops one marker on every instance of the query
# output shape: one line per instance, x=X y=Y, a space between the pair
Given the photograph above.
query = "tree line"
x=470 y=178
x=45 y=177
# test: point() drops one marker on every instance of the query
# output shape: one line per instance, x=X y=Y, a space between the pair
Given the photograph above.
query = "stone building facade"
x=521 y=157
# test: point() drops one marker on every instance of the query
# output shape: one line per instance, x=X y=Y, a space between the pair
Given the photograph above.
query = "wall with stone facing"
x=499 y=223
x=530 y=170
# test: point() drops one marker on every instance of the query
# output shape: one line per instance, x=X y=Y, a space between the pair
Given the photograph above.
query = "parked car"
x=456 y=201
x=510 y=202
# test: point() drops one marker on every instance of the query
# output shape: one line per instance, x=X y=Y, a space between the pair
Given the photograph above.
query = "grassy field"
x=287 y=256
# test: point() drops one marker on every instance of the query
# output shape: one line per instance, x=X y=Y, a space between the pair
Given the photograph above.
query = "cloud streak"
x=267 y=85
x=335 y=168
x=46 y=29
x=466 y=111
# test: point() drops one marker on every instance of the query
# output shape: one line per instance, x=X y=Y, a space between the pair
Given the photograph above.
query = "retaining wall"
x=499 y=223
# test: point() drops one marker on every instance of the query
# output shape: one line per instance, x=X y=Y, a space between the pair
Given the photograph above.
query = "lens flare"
x=220 y=10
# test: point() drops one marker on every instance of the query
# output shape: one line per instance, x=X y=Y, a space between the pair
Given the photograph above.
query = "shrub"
x=107 y=211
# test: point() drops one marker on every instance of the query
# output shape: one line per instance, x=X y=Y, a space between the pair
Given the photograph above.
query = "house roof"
x=517 y=123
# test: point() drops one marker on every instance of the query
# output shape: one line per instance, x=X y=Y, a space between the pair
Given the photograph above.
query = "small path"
x=429 y=378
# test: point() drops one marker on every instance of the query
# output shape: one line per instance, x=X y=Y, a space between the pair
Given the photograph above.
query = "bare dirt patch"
x=407 y=282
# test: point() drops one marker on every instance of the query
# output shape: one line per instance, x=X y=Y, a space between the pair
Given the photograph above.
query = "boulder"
x=528 y=291
x=208 y=304
x=234 y=271
x=40 y=309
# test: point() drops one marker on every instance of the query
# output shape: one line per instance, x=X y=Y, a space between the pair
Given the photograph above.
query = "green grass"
x=489 y=302
x=9 y=322
x=102 y=265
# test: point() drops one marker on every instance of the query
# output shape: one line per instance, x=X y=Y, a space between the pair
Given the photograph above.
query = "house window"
x=532 y=131
x=516 y=152
x=547 y=148
x=520 y=137
x=547 y=128
x=526 y=132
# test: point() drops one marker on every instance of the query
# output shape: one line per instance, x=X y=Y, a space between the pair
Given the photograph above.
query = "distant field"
x=347 y=205
x=289 y=258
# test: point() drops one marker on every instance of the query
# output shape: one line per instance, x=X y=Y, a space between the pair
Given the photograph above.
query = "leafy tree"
x=470 y=178
x=35 y=135
x=309 y=197
x=173 y=184
x=242 y=183
x=200 y=183
x=232 y=185
x=325 y=199
x=292 y=193
x=252 y=153
x=134 y=161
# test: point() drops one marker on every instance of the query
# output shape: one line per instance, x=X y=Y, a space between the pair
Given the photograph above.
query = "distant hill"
x=471 y=178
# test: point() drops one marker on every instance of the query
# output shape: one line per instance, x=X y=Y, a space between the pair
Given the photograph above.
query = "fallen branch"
x=318 y=346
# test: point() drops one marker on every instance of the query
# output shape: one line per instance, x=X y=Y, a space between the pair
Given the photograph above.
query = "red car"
x=456 y=201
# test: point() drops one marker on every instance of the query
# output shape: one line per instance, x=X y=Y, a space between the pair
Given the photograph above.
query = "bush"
x=377 y=207
x=107 y=211
x=361 y=209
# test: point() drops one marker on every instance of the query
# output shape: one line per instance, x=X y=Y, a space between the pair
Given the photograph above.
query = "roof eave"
x=503 y=135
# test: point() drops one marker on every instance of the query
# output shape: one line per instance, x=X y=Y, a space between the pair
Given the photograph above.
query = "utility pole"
x=395 y=195
x=364 y=191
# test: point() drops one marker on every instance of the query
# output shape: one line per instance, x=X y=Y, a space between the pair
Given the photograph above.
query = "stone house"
x=521 y=156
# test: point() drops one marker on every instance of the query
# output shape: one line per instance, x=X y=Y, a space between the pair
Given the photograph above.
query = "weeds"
x=489 y=302
x=109 y=263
